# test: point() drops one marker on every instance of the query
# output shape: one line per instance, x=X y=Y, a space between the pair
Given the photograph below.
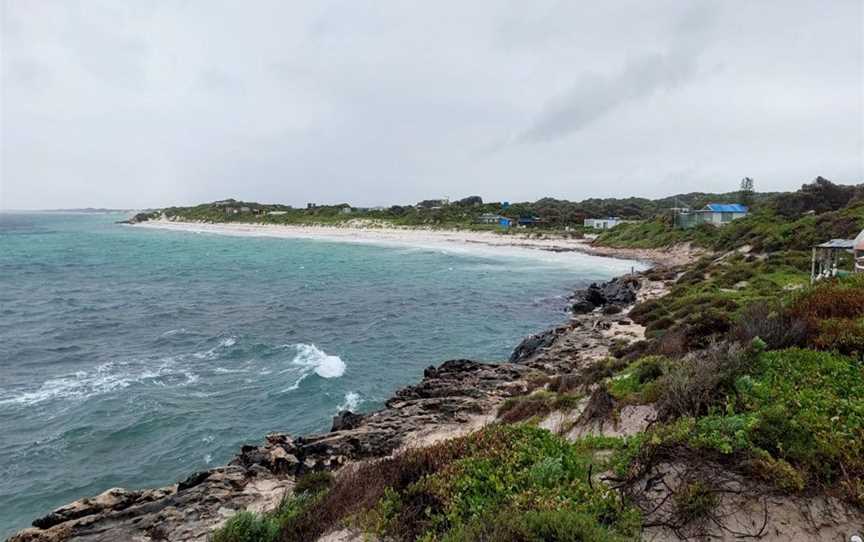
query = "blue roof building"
x=726 y=208
x=716 y=214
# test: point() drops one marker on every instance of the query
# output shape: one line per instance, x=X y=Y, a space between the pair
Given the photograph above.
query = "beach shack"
x=528 y=221
x=716 y=214
x=489 y=218
x=829 y=258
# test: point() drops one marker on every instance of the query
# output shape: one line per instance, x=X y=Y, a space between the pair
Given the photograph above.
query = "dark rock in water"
x=582 y=306
x=140 y=217
x=346 y=420
x=621 y=291
x=618 y=292
x=533 y=343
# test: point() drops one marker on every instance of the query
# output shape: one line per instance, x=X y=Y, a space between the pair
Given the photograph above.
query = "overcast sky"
x=150 y=103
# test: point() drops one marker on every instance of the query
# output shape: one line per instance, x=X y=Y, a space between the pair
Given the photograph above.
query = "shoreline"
x=454 y=398
x=553 y=247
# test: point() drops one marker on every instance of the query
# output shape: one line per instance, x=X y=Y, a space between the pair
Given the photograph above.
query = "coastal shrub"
x=842 y=335
x=793 y=417
x=629 y=351
x=700 y=380
x=735 y=275
x=647 y=311
x=698 y=329
x=694 y=501
x=671 y=344
x=513 y=525
x=536 y=479
x=313 y=482
x=359 y=488
x=771 y=322
x=636 y=383
x=601 y=370
x=831 y=299
x=537 y=404
x=247 y=527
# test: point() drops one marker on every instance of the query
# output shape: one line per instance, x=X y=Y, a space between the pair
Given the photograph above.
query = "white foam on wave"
x=212 y=353
x=225 y=370
x=324 y=365
x=311 y=359
x=103 y=379
x=351 y=402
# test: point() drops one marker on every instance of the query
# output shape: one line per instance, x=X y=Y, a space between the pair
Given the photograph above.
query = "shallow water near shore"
x=133 y=357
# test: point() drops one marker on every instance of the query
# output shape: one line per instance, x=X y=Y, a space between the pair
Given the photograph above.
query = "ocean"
x=133 y=357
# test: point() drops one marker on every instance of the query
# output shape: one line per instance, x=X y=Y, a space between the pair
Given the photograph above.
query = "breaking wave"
x=324 y=365
x=311 y=359
x=351 y=402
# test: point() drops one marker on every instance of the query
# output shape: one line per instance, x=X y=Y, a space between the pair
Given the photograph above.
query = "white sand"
x=551 y=250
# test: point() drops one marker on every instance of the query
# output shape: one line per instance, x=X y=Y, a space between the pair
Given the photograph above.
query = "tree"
x=747 y=191
x=471 y=201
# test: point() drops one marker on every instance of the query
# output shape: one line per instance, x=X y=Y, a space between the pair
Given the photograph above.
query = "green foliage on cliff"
x=794 y=418
x=517 y=482
x=794 y=221
x=503 y=483
x=709 y=297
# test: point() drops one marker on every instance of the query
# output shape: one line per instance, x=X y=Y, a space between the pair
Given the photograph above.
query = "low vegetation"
x=793 y=221
x=752 y=372
x=536 y=405
x=503 y=483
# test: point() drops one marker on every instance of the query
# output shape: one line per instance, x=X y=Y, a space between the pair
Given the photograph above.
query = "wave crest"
x=324 y=365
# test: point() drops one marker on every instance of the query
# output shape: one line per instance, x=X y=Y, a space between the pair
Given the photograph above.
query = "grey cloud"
x=594 y=96
x=120 y=103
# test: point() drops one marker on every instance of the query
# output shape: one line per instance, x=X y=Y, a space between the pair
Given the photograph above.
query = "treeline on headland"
x=774 y=216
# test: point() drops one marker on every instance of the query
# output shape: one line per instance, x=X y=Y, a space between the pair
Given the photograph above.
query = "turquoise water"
x=133 y=357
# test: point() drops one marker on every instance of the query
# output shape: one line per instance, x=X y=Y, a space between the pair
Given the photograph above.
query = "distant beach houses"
x=716 y=214
x=604 y=223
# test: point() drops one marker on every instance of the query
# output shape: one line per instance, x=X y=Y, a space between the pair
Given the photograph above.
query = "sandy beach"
x=546 y=247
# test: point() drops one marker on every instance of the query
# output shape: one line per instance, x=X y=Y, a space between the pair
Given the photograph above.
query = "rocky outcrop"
x=136 y=219
x=619 y=292
x=259 y=476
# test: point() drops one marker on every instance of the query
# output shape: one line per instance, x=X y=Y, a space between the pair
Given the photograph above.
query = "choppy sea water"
x=133 y=357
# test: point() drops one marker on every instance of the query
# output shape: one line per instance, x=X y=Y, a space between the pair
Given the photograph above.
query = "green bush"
x=842 y=335
x=693 y=502
x=533 y=526
x=536 y=479
x=247 y=527
x=796 y=415
x=313 y=482
x=636 y=383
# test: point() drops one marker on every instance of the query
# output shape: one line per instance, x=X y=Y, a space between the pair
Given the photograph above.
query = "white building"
x=603 y=223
